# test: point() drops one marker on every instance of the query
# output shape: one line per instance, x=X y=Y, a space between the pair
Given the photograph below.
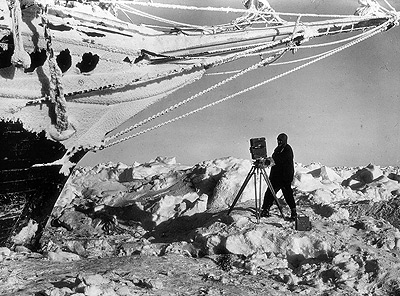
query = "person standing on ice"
x=281 y=176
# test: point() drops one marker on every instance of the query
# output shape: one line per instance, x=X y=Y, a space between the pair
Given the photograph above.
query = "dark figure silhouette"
x=281 y=176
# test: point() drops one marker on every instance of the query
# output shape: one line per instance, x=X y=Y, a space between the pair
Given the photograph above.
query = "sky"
x=341 y=111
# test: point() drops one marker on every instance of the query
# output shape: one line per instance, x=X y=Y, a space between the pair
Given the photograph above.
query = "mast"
x=227 y=43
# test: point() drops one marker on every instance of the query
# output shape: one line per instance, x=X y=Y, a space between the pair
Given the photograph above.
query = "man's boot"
x=265 y=213
x=293 y=214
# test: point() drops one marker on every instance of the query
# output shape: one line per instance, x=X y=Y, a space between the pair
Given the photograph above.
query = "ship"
x=72 y=72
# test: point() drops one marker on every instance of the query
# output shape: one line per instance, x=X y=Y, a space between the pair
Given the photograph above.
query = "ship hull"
x=28 y=189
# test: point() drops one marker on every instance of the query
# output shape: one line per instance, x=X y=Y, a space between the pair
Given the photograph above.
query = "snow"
x=162 y=190
x=26 y=233
x=180 y=188
x=162 y=207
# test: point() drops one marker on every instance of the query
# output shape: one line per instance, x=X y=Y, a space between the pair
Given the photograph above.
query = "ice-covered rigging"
x=365 y=9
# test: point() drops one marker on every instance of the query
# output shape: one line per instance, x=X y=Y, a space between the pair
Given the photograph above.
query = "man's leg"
x=289 y=198
x=269 y=199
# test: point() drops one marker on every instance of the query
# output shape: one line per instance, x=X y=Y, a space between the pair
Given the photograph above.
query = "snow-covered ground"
x=163 y=207
x=176 y=190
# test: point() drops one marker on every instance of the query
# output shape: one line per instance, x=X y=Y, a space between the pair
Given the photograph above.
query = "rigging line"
x=228 y=59
x=246 y=55
x=165 y=111
x=303 y=59
x=132 y=10
x=332 y=42
x=123 y=11
x=390 y=6
x=247 y=50
x=201 y=93
x=373 y=32
x=262 y=63
x=323 y=44
x=297 y=47
x=276 y=64
x=252 y=49
x=204 y=28
x=225 y=9
x=223 y=73
x=214 y=28
x=153 y=17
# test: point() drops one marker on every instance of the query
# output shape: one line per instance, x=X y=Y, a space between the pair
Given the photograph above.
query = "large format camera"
x=258 y=148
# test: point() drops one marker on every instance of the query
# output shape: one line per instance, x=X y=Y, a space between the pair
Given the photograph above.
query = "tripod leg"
x=257 y=175
x=258 y=196
x=241 y=189
x=264 y=173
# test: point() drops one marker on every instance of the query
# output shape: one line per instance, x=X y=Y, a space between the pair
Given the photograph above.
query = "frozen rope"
x=219 y=84
x=303 y=59
x=56 y=90
x=371 y=7
x=276 y=64
x=320 y=45
x=212 y=29
x=333 y=42
x=247 y=55
x=165 y=111
x=297 y=47
x=124 y=12
x=221 y=9
x=317 y=46
x=126 y=8
x=373 y=32
x=390 y=6
x=295 y=26
x=223 y=73
x=20 y=57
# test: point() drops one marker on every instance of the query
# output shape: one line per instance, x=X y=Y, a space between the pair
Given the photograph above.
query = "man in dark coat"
x=281 y=176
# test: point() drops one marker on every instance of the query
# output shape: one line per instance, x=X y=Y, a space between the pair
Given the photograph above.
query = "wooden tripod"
x=257 y=170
